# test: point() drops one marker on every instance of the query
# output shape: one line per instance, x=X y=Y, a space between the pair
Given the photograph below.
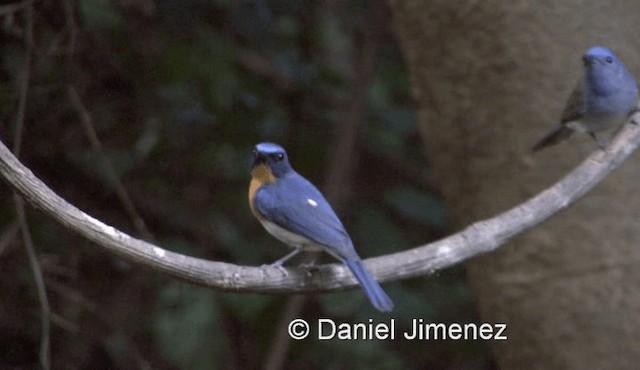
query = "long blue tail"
x=379 y=299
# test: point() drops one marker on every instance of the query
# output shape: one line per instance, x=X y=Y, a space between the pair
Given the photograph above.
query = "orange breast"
x=253 y=188
x=260 y=175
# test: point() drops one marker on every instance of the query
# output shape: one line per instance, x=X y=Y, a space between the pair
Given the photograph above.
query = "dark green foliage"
x=178 y=93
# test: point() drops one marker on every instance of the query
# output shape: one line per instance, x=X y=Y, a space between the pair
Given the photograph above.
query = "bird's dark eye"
x=609 y=60
x=277 y=156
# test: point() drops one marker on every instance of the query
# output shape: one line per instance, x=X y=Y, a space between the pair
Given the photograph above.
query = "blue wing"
x=295 y=204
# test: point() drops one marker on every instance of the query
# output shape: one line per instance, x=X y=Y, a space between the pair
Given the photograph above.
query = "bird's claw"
x=278 y=266
x=602 y=145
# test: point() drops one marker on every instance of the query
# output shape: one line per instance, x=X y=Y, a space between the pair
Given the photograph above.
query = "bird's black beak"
x=258 y=158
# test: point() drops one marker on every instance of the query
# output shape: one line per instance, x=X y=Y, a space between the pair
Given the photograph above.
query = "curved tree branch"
x=478 y=238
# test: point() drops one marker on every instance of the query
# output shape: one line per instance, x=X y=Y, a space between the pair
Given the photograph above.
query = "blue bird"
x=605 y=97
x=294 y=211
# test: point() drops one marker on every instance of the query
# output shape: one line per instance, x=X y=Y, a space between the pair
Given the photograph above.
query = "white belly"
x=289 y=238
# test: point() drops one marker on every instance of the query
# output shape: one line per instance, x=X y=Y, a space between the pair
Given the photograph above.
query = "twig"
x=8 y=236
x=277 y=353
x=92 y=136
x=39 y=279
x=479 y=238
x=263 y=67
x=94 y=310
x=65 y=324
x=345 y=146
x=12 y=8
x=71 y=26
x=19 y=203
x=23 y=88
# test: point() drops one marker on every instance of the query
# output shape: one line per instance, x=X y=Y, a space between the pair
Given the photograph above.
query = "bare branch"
x=480 y=237
x=110 y=171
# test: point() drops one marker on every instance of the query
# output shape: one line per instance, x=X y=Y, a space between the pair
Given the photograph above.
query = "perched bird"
x=605 y=96
x=295 y=212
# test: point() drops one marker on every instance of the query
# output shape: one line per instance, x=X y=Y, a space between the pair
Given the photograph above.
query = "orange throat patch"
x=260 y=175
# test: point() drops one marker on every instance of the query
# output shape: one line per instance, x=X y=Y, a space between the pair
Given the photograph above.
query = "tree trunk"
x=490 y=77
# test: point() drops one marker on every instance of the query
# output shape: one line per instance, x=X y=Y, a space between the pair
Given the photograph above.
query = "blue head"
x=271 y=157
x=605 y=72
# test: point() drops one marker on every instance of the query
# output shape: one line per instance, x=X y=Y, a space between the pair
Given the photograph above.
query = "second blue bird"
x=604 y=98
x=294 y=211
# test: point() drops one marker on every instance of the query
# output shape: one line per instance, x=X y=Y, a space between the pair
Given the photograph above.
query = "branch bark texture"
x=478 y=238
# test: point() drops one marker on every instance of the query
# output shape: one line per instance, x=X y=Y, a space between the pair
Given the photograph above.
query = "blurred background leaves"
x=178 y=93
